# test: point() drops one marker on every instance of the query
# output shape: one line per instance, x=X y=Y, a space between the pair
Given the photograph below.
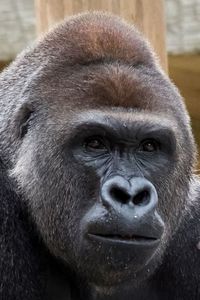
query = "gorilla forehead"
x=108 y=84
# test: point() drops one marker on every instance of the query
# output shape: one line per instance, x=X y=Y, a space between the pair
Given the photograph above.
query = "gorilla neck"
x=94 y=292
x=102 y=293
x=63 y=284
x=60 y=286
x=124 y=291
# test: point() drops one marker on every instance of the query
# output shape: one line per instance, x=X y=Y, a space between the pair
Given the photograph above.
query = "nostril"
x=142 y=198
x=138 y=192
x=120 y=195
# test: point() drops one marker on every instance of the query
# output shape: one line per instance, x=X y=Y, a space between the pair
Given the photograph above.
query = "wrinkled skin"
x=98 y=142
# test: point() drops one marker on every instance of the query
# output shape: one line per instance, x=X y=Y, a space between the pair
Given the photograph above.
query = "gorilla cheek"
x=66 y=210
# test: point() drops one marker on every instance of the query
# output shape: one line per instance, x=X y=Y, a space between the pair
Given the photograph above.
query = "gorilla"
x=99 y=197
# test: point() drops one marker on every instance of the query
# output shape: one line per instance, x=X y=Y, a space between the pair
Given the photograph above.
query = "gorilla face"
x=119 y=228
x=103 y=184
x=103 y=150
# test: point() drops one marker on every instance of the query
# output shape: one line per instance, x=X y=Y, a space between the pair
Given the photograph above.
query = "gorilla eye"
x=94 y=143
x=149 y=146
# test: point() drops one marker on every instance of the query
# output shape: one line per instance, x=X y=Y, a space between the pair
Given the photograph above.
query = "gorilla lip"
x=117 y=238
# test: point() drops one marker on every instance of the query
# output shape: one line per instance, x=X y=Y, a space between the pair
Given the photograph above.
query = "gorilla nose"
x=138 y=192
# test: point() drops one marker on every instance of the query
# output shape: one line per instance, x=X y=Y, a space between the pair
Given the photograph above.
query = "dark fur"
x=21 y=273
x=91 y=63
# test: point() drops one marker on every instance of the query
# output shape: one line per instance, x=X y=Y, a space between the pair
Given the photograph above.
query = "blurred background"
x=182 y=19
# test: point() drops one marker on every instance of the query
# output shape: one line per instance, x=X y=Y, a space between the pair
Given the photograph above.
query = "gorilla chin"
x=116 y=260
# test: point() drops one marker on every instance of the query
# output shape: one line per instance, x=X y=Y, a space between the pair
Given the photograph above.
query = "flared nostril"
x=138 y=192
x=142 y=198
x=120 y=195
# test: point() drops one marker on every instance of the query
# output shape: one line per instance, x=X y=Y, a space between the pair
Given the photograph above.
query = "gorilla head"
x=99 y=141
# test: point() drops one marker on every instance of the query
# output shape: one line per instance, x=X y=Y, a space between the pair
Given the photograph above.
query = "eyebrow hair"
x=118 y=127
x=96 y=118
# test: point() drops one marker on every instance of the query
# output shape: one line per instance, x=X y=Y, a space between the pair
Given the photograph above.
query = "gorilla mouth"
x=134 y=239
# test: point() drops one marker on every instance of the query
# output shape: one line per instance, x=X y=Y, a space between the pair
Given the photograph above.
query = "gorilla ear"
x=24 y=117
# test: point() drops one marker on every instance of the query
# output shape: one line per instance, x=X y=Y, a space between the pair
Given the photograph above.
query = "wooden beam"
x=185 y=72
x=147 y=15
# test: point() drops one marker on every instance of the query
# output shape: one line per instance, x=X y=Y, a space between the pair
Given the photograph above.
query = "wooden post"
x=147 y=15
